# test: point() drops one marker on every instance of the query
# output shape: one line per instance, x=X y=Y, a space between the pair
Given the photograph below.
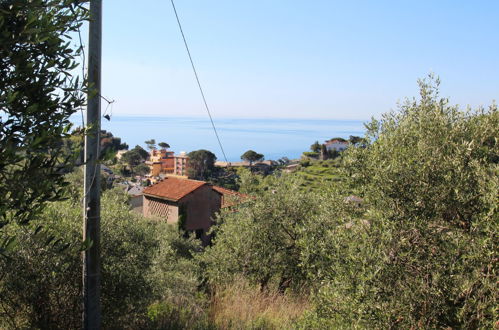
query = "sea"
x=274 y=138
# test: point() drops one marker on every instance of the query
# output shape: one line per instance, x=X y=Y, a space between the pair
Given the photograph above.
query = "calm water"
x=274 y=138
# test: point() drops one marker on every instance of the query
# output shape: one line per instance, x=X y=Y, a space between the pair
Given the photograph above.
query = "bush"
x=40 y=284
x=311 y=154
x=305 y=162
x=424 y=255
x=259 y=240
x=179 y=302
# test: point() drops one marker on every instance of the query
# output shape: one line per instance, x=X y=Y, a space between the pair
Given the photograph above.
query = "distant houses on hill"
x=331 y=148
x=336 y=144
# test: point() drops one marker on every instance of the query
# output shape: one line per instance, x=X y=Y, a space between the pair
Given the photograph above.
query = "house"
x=180 y=164
x=190 y=203
x=135 y=194
x=336 y=144
x=230 y=197
x=166 y=162
x=232 y=164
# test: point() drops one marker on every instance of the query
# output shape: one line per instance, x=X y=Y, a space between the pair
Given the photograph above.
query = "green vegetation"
x=319 y=151
x=163 y=145
x=151 y=144
x=420 y=251
x=201 y=164
x=252 y=156
x=417 y=248
x=110 y=144
x=145 y=265
x=320 y=173
x=316 y=147
x=135 y=158
x=37 y=96
x=311 y=154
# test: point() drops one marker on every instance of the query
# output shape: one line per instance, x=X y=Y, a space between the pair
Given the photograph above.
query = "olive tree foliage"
x=424 y=255
x=144 y=264
x=37 y=96
x=259 y=238
x=40 y=286
x=179 y=304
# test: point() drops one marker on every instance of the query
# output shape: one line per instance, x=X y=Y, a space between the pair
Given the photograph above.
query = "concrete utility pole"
x=91 y=201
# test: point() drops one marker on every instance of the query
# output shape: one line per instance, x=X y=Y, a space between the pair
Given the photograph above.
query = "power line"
x=199 y=83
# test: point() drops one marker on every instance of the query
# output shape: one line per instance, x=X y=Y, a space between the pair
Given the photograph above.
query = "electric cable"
x=198 y=82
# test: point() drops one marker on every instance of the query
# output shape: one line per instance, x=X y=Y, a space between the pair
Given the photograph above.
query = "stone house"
x=190 y=203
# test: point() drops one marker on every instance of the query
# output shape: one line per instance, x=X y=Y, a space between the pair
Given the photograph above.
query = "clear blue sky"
x=296 y=59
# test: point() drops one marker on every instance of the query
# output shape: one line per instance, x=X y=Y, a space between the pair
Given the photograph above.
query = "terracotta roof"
x=173 y=189
x=225 y=191
x=230 y=197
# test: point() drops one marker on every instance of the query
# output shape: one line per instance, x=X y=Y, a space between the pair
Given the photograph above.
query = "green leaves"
x=419 y=252
x=432 y=199
x=252 y=156
x=37 y=96
x=86 y=245
x=201 y=164
x=142 y=263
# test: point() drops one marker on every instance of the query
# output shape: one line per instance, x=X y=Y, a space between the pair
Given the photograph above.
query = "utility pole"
x=91 y=190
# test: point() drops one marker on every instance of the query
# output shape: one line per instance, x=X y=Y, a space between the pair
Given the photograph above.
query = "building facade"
x=336 y=145
x=166 y=162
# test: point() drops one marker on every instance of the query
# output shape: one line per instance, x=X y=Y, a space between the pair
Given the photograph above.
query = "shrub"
x=259 y=240
x=53 y=274
x=424 y=255
x=143 y=263
x=305 y=162
x=176 y=276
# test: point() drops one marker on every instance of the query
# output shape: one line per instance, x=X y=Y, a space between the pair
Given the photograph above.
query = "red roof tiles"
x=173 y=189
x=230 y=197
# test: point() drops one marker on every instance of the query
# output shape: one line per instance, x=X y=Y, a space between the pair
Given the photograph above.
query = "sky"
x=296 y=59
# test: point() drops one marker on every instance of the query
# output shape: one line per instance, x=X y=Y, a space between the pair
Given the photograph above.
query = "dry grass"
x=242 y=306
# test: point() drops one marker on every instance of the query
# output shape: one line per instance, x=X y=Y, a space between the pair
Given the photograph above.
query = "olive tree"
x=424 y=253
x=258 y=239
x=144 y=265
x=37 y=96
